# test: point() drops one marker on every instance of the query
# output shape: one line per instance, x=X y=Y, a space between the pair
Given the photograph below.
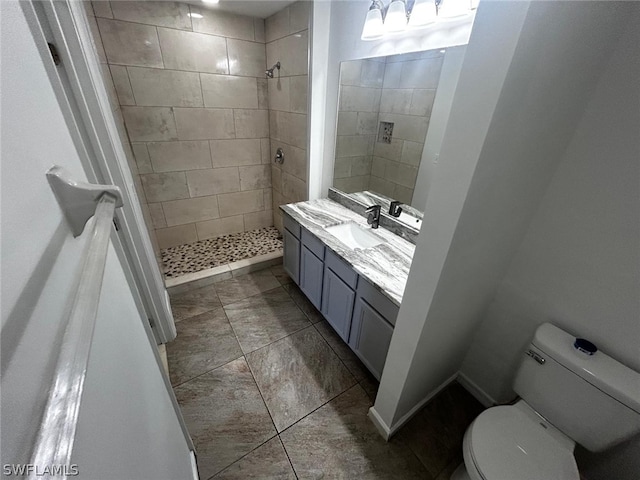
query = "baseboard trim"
x=483 y=397
x=420 y=405
x=382 y=427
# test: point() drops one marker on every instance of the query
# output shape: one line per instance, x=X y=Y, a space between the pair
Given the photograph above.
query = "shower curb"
x=213 y=275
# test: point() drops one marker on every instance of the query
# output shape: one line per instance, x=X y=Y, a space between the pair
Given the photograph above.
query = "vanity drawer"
x=313 y=244
x=378 y=300
x=291 y=225
x=341 y=268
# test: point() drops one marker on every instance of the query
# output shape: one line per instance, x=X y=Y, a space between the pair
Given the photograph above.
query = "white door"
x=128 y=424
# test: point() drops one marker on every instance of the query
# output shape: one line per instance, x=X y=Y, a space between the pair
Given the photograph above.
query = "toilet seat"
x=510 y=443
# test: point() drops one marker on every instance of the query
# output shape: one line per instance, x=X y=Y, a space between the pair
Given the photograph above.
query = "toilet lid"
x=506 y=444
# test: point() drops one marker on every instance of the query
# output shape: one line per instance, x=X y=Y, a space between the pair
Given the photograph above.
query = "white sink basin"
x=354 y=236
x=410 y=220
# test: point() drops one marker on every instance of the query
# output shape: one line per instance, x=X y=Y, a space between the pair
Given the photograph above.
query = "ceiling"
x=252 y=8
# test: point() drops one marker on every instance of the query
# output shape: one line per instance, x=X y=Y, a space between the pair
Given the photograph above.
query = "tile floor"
x=205 y=254
x=269 y=391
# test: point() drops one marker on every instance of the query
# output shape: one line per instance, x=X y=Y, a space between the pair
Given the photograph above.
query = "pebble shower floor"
x=204 y=254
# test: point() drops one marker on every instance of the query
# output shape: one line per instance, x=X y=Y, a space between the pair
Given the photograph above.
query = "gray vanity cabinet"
x=370 y=337
x=311 y=268
x=291 y=255
x=357 y=311
x=372 y=327
x=337 y=303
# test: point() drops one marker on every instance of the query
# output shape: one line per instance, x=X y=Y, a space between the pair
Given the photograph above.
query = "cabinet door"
x=370 y=337
x=291 y=256
x=337 y=303
x=311 y=273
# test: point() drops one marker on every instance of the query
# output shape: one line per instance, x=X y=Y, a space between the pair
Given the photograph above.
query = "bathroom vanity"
x=353 y=274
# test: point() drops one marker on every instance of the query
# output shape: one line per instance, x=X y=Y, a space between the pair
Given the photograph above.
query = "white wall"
x=579 y=263
x=337 y=27
x=513 y=116
x=39 y=260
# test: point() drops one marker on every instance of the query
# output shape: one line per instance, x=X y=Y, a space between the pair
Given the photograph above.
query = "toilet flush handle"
x=536 y=356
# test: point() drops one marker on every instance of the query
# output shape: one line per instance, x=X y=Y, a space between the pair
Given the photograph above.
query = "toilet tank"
x=594 y=400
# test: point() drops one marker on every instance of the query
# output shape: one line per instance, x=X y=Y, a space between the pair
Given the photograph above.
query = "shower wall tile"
x=223 y=24
x=170 y=88
x=256 y=220
x=258 y=28
x=213 y=181
x=141 y=154
x=265 y=149
x=367 y=123
x=161 y=187
x=347 y=123
x=299 y=16
x=299 y=86
x=295 y=160
x=193 y=51
x=227 y=91
x=293 y=188
x=148 y=124
x=204 y=123
x=164 y=14
x=130 y=43
x=174 y=236
x=122 y=85
x=279 y=93
x=287 y=42
x=246 y=58
x=254 y=177
x=221 y=226
x=412 y=153
x=179 y=212
x=251 y=123
x=226 y=153
x=157 y=215
x=407 y=127
x=241 y=202
x=263 y=94
x=372 y=73
x=277 y=25
x=294 y=48
x=195 y=101
x=179 y=156
x=359 y=99
x=267 y=194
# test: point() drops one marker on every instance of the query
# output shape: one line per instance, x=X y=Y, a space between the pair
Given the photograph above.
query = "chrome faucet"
x=395 y=209
x=373 y=215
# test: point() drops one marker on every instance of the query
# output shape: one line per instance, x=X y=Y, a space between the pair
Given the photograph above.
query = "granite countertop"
x=386 y=266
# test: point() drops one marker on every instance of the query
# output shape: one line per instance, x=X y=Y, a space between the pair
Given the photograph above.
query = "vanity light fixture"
x=373 y=27
x=394 y=18
x=210 y=1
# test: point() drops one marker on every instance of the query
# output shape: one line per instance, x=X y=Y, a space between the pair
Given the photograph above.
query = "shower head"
x=269 y=71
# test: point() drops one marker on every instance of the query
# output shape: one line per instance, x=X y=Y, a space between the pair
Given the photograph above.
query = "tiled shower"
x=200 y=122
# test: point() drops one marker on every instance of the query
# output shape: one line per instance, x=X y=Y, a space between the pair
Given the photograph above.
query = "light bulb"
x=423 y=13
x=373 y=27
x=396 y=19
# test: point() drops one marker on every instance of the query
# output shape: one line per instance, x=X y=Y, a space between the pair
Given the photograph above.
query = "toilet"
x=568 y=394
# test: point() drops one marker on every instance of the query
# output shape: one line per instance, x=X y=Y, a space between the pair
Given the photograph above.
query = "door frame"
x=83 y=97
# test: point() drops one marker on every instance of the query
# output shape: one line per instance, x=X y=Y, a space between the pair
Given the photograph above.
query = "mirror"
x=391 y=116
